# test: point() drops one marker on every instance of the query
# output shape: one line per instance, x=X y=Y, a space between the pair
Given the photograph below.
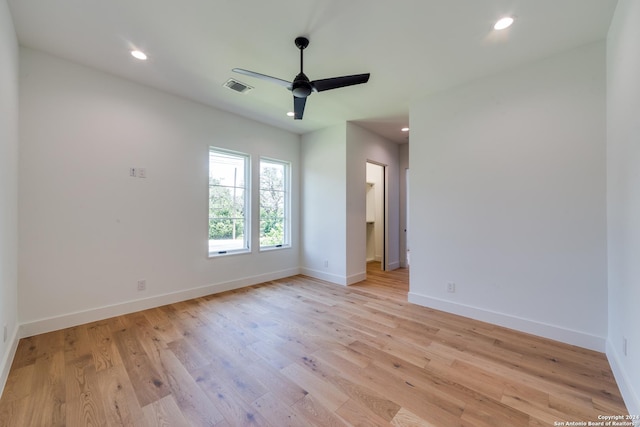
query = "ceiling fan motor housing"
x=301 y=87
x=301 y=42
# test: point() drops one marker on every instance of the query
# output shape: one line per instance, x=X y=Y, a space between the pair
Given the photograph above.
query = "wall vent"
x=237 y=86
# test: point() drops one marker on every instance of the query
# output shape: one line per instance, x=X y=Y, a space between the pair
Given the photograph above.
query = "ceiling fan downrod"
x=301 y=88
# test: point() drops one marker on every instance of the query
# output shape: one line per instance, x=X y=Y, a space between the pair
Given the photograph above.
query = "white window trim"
x=247 y=202
x=287 y=207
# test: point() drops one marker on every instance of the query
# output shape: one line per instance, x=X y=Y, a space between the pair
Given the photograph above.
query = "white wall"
x=323 y=204
x=508 y=201
x=8 y=190
x=623 y=194
x=403 y=153
x=88 y=232
x=363 y=146
x=334 y=201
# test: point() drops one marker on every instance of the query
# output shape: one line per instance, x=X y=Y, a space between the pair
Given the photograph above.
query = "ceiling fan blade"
x=298 y=107
x=337 y=82
x=263 y=77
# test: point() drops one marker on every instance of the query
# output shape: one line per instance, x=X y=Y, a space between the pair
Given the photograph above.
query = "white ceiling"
x=410 y=47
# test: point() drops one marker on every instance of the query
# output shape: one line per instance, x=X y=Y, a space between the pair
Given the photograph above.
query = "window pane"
x=271 y=176
x=227 y=201
x=226 y=169
x=272 y=231
x=274 y=203
x=226 y=234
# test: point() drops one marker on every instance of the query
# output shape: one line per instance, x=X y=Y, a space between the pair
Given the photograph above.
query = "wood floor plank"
x=303 y=352
x=272 y=379
x=430 y=404
x=406 y=418
x=318 y=415
x=190 y=398
x=148 y=382
x=162 y=324
x=18 y=384
x=14 y=412
x=164 y=413
x=119 y=399
x=334 y=370
x=103 y=350
x=277 y=413
x=48 y=390
x=188 y=355
x=271 y=354
x=147 y=337
x=83 y=397
x=325 y=393
x=232 y=373
x=234 y=408
x=76 y=342
x=475 y=379
x=25 y=353
x=356 y=414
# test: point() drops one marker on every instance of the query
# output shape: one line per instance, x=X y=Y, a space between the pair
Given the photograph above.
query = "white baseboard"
x=394 y=265
x=7 y=360
x=629 y=394
x=569 y=336
x=41 y=326
x=329 y=277
x=355 y=278
x=334 y=278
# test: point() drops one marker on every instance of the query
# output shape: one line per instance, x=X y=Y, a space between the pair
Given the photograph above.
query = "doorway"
x=376 y=214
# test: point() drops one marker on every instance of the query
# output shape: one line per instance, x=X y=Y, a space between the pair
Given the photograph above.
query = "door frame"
x=385 y=209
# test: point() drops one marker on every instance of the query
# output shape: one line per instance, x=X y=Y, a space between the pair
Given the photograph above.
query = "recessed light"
x=291 y=114
x=405 y=129
x=503 y=23
x=138 y=54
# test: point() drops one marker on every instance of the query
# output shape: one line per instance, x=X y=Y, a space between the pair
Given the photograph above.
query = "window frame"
x=287 y=204
x=247 y=202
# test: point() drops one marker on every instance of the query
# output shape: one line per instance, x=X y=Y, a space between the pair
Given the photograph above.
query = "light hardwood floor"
x=297 y=352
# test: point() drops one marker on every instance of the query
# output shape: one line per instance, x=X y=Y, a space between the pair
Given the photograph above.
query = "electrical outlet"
x=133 y=172
x=451 y=287
x=624 y=346
x=326 y=263
x=142 y=285
x=142 y=173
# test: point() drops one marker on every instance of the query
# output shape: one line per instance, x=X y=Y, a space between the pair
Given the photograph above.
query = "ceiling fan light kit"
x=301 y=87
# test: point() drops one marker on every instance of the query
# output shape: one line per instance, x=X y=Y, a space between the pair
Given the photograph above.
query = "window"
x=228 y=202
x=274 y=204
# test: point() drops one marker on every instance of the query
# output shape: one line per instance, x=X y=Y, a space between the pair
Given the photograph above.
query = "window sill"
x=229 y=253
x=274 y=248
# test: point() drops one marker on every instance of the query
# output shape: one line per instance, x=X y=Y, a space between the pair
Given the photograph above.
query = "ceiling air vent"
x=237 y=86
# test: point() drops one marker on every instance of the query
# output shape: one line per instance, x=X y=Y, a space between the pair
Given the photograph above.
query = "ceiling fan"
x=301 y=86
